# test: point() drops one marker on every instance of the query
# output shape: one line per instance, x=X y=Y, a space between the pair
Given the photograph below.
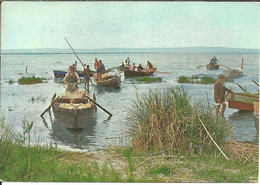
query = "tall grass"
x=164 y=120
x=6 y=138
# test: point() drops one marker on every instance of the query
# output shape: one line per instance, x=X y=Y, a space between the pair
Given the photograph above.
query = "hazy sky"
x=90 y=25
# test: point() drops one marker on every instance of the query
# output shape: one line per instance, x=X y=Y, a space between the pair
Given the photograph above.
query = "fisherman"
x=140 y=68
x=149 y=65
x=127 y=62
x=215 y=59
x=97 y=66
x=71 y=79
x=102 y=66
x=219 y=94
x=212 y=62
x=132 y=67
x=87 y=73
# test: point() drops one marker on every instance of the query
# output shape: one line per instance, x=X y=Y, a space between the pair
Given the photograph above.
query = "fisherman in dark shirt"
x=219 y=94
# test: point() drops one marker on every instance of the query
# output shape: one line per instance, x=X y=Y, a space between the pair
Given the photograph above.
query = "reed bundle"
x=164 y=119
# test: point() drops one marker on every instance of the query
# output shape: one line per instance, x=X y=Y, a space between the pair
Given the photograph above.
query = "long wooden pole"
x=256 y=83
x=50 y=106
x=209 y=133
x=79 y=60
x=99 y=105
x=241 y=87
x=201 y=66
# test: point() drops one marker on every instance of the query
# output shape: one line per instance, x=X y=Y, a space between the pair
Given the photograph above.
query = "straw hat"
x=221 y=76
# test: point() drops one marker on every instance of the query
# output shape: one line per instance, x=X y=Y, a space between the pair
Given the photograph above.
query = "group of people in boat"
x=133 y=67
x=213 y=61
x=73 y=78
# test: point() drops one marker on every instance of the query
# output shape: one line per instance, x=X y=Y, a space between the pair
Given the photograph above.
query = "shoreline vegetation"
x=168 y=144
x=29 y=80
x=195 y=79
x=148 y=79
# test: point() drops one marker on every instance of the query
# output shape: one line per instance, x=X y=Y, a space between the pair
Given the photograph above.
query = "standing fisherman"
x=219 y=94
x=71 y=79
x=87 y=73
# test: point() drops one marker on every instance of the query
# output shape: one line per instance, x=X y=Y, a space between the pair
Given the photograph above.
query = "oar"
x=200 y=66
x=162 y=72
x=98 y=105
x=242 y=88
x=256 y=83
x=78 y=59
x=112 y=68
x=225 y=66
x=50 y=106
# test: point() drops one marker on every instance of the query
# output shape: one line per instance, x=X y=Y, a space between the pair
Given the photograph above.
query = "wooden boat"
x=61 y=74
x=146 y=72
x=212 y=67
x=74 y=110
x=108 y=80
x=241 y=101
x=234 y=73
x=256 y=115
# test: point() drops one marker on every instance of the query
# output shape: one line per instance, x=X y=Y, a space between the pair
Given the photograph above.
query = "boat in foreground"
x=108 y=80
x=256 y=115
x=242 y=101
x=73 y=110
x=212 y=67
x=146 y=72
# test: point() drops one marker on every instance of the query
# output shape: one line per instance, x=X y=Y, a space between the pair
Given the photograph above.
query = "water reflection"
x=76 y=138
x=243 y=126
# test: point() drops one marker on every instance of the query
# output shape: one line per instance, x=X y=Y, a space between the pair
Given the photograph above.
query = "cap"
x=221 y=76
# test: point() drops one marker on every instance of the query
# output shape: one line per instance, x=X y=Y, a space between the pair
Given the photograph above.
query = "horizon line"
x=137 y=48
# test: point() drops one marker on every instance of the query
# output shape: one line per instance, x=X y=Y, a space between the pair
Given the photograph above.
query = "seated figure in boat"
x=149 y=65
x=127 y=62
x=71 y=79
x=213 y=61
x=87 y=73
x=219 y=94
x=132 y=67
x=140 y=68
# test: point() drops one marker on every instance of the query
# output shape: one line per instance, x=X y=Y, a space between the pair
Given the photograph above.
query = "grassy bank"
x=148 y=79
x=29 y=80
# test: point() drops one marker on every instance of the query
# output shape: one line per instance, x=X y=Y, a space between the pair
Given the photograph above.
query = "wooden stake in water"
x=209 y=133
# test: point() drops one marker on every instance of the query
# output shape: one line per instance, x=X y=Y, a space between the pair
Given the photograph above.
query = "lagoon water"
x=27 y=102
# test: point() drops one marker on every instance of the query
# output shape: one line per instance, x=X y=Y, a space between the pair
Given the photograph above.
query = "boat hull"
x=232 y=73
x=148 y=72
x=108 y=81
x=73 y=119
x=212 y=67
x=241 y=101
x=256 y=116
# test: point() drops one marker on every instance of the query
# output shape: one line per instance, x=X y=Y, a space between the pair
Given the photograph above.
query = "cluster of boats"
x=74 y=110
x=229 y=73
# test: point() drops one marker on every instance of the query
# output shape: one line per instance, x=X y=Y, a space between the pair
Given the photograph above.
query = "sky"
x=94 y=25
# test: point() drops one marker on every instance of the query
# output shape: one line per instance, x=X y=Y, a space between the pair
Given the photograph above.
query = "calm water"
x=19 y=102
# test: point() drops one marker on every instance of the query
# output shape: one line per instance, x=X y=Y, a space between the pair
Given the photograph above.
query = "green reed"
x=164 y=120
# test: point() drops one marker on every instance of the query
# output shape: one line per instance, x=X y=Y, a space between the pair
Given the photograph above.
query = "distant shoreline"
x=184 y=50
